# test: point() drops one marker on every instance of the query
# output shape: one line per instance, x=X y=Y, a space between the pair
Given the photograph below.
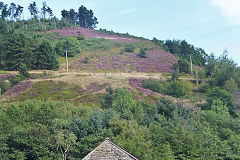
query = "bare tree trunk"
x=197 y=80
x=23 y=25
x=191 y=64
x=63 y=157
x=55 y=26
x=85 y=23
x=7 y=26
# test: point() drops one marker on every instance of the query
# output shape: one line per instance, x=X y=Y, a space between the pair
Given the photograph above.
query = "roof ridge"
x=107 y=139
x=115 y=145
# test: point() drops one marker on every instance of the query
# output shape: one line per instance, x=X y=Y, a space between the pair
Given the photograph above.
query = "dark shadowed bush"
x=205 y=88
x=183 y=66
x=142 y=54
x=129 y=48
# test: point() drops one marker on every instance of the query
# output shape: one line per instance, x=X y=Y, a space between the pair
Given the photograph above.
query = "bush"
x=153 y=85
x=230 y=85
x=183 y=66
x=179 y=89
x=80 y=37
x=142 y=54
x=201 y=73
x=23 y=70
x=16 y=79
x=204 y=88
x=166 y=108
x=86 y=60
x=187 y=87
x=129 y=48
x=106 y=102
x=3 y=87
x=224 y=96
x=175 y=75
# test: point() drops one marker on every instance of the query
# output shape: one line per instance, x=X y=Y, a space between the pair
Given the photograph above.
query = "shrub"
x=129 y=48
x=187 y=87
x=183 y=66
x=22 y=69
x=153 y=85
x=16 y=79
x=224 y=96
x=179 y=89
x=80 y=37
x=201 y=73
x=142 y=54
x=86 y=60
x=175 y=75
x=166 y=108
x=106 y=102
x=123 y=103
x=230 y=85
x=3 y=87
x=204 y=88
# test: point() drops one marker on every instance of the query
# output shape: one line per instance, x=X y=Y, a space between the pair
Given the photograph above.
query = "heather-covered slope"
x=157 y=61
x=106 y=52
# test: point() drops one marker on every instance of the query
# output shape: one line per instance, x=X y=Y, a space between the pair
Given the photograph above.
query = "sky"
x=213 y=25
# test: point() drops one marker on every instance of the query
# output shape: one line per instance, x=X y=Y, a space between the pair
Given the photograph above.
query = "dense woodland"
x=44 y=129
x=40 y=130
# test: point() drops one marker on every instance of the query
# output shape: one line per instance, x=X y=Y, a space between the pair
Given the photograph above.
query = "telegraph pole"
x=67 y=59
x=191 y=64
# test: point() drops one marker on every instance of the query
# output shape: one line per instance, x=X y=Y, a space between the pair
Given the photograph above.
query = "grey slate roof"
x=107 y=150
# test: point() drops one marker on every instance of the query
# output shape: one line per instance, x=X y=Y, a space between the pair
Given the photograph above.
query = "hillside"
x=106 y=53
x=102 y=61
x=156 y=99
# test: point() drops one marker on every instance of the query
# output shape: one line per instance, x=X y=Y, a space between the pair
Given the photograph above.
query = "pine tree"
x=46 y=58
